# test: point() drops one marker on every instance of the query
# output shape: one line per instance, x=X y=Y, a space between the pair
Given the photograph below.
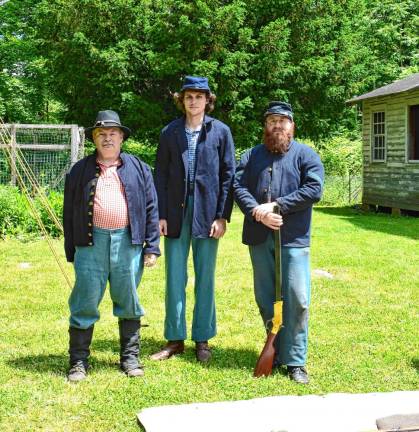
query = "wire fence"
x=342 y=190
x=49 y=151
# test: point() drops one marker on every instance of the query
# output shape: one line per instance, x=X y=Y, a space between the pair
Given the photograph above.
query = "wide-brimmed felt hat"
x=195 y=83
x=279 y=108
x=107 y=119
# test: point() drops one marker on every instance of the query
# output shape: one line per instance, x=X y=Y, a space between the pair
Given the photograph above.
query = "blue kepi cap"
x=279 y=108
x=195 y=83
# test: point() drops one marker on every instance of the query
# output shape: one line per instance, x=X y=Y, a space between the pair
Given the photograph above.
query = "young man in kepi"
x=193 y=177
x=289 y=175
x=111 y=230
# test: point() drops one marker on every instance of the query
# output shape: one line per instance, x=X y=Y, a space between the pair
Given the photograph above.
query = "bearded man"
x=285 y=173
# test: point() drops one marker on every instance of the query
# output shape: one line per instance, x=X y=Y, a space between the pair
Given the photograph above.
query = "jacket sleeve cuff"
x=282 y=207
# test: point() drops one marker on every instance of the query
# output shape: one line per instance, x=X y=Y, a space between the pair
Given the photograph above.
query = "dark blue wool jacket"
x=297 y=182
x=80 y=186
x=215 y=164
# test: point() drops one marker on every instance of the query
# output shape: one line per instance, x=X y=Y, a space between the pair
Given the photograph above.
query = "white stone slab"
x=336 y=412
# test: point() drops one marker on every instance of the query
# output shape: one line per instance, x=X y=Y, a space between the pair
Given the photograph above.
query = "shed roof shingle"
x=409 y=83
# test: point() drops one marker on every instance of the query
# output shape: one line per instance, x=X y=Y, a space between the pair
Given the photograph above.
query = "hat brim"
x=279 y=113
x=194 y=88
x=88 y=132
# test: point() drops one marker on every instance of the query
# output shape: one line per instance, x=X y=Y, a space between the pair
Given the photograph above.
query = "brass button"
x=97 y=174
x=90 y=234
x=181 y=205
x=90 y=223
x=92 y=193
x=270 y=169
x=90 y=213
x=90 y=203
x=90 y=244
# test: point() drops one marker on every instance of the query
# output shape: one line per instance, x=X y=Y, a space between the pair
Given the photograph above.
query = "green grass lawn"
x=364 y=334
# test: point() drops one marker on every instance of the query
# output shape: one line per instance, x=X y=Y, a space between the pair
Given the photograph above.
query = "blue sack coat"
x=297 y=182
x=79 y=190
x=215 y=165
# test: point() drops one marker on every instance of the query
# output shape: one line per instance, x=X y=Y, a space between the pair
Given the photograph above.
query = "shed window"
x=414 y=132
x=379 y=136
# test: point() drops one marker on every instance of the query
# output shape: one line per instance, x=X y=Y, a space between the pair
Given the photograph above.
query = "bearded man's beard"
x=278 y=141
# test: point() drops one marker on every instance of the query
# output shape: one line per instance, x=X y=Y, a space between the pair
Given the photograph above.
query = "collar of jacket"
x=280 y=155
x=180 y=129
x=182 y=142
x=122 y=156
x=207 y=120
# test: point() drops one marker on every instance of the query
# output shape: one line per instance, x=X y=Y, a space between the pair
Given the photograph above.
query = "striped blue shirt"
x=192 y=137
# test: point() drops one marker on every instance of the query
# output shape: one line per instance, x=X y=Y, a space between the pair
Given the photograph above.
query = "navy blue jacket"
x=297 y=182
x=215 y=164
x=80 y=186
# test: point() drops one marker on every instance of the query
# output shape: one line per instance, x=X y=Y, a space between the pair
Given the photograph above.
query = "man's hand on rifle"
x=272 y=220
x=264 y=213
x=260 y=211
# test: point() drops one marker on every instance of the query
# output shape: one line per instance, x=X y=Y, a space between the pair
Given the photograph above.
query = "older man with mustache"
x=111 y=230
x=285 y=173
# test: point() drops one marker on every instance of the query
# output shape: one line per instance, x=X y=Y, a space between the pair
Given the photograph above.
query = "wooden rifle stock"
x=266 y=359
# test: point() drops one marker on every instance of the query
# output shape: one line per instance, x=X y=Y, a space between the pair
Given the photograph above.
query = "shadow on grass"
x=57 y=364
x=415 y=363
x=222 y=357
x=54 y=364
x=43 y=363
x=404 y=226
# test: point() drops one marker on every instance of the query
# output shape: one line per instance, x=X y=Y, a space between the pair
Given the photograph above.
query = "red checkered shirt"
x=110 y=209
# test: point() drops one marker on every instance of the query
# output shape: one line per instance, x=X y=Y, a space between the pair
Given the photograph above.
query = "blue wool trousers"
x=112 y=258
x=204 y=259
x=291 y=342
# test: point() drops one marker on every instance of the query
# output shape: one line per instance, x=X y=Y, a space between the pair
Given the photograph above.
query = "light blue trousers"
x=291 y=342
x=112 y=257
x=176 y=259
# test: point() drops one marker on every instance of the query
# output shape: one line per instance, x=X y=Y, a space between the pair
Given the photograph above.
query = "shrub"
x=55 y=200
x=143 y=150
x=16 y=217
x=341 y=156
x=14 y=212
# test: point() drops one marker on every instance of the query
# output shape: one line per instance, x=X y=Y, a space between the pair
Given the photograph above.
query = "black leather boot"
x=79 y=351
x=130 y=347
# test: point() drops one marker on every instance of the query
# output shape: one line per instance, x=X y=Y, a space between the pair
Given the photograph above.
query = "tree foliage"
x=130 y=55
x=23 y=76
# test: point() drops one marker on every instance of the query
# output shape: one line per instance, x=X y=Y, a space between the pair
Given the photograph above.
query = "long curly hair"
x=211 y=98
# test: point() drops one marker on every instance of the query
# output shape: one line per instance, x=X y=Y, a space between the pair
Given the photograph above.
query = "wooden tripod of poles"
x=20 y=166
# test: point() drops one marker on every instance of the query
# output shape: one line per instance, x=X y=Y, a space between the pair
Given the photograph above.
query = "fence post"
x=13 y=171
x=82 y=140
x=75 y=141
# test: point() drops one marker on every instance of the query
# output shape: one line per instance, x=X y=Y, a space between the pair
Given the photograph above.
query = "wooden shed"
x=390 y=135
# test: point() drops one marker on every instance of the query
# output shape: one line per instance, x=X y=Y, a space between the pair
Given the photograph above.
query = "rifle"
x=265 y=362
